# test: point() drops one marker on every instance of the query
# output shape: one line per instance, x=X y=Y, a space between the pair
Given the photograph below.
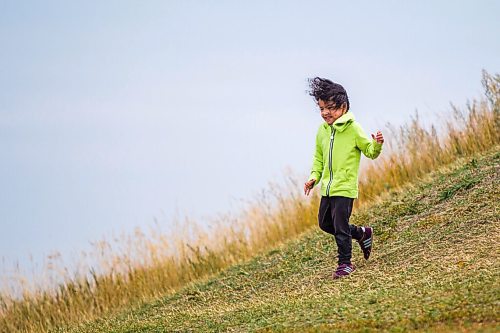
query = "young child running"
x=339 y=143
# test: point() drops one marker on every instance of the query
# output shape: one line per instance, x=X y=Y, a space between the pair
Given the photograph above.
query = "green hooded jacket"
x=337 y=155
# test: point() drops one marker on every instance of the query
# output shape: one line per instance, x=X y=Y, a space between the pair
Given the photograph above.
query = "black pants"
x=333 y=217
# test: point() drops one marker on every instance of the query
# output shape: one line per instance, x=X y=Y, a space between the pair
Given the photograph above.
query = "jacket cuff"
x=377 y=146
x=315 y=175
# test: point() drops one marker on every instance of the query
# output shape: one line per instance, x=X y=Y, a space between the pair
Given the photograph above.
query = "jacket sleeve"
x=369 y=147
x=317 y=168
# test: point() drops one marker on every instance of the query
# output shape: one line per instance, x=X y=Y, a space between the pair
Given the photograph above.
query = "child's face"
x=328 y=111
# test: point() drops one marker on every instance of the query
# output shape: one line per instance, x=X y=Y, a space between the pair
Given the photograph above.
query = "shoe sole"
x=373 y=241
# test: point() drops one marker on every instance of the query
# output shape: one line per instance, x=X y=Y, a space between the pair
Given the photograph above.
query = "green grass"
x=435 y=267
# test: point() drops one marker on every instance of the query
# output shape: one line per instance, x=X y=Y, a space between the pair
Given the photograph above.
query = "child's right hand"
x=308 y=186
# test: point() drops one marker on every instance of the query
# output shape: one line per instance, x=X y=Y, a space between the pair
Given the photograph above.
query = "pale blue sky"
x=113 y=113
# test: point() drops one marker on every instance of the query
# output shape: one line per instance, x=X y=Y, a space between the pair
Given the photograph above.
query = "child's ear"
x=344 y=108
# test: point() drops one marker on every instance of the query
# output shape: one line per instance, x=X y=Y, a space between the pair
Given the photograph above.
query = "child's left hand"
x=379 y=138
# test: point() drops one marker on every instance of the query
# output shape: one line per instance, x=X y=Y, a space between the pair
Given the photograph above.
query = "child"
x=339 y=143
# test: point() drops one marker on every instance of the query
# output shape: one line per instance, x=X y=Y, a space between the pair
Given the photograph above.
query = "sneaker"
x=343 y=270
x=366 y=242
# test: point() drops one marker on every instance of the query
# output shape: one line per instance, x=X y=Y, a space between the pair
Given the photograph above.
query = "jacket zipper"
x=330 y=162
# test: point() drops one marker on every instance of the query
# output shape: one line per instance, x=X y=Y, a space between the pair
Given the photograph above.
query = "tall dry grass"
x=414 y=150
x=136 y=268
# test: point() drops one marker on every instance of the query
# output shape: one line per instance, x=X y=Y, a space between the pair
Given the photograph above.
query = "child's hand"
x=308 y=186
x=379 y=138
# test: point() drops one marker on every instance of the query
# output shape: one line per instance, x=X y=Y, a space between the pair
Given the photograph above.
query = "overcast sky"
x=113 y=113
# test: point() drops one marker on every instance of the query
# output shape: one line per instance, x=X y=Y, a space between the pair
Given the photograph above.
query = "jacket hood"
x=343 y=122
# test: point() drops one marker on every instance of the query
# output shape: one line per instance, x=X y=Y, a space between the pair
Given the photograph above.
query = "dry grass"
x=433 y=269
x=415 y=151
x=144 y=266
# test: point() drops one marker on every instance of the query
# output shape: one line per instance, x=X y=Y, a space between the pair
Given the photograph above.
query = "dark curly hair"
x=328 y=91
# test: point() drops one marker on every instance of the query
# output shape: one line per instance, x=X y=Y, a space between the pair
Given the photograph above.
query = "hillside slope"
x=435 y=267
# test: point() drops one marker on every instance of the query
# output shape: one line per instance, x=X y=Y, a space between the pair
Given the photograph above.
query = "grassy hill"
x=435 y=267
x=435 y=257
